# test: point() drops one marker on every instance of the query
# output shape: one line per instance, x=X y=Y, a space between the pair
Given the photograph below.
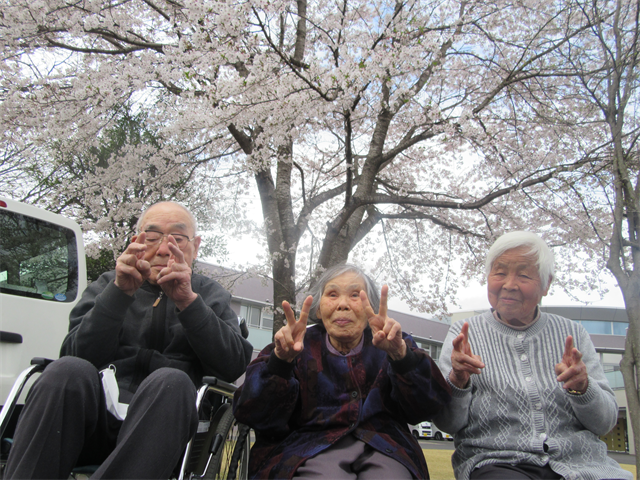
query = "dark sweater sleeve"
x=213 y=332
x=96 y=320
x=267 y=398
x=417 y=386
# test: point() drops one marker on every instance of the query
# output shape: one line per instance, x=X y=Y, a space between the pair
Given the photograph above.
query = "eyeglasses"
x=154 y=238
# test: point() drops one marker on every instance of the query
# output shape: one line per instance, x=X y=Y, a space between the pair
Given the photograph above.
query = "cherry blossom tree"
x=426 y=123
x=606 y=67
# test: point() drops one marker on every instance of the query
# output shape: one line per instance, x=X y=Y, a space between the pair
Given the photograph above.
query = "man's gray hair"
x=371 y=289
x=536 y=247
x=194 y=222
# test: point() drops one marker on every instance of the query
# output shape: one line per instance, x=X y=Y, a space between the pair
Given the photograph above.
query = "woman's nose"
x=343 y=303
x=510 y=282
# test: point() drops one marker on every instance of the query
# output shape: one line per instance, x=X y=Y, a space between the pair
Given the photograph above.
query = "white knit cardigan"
x=516 y=411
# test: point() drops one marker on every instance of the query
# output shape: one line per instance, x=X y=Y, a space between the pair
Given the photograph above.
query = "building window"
x=611 y=366
x=267 y=319
x=257 y=317
x=597 y=327
x=431 y=348
x=620 y=328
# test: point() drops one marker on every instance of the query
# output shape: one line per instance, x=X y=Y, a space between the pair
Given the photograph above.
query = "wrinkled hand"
x=131 y=268
x=463 y=361
x=572 y=370
x=175 y=278
x=387 y=333
x=288 y=340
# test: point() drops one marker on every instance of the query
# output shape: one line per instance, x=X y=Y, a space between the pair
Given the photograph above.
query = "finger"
x=288 y=313
x=139 y=239
x=135 y=249
x=281 y=345
x=468 y=364
x=368 y=310
x=396 y=330
x=144 y=268
x=378 y=338
x=175 y=250
x=568 y=346
x=288 y=338
x=463 y=359
x=458 y=343
x=129 y=270
x=306 y=308
x=565 y=376
x=576 y=356
x=465 y=333
x=560 y=368
x=384 y=294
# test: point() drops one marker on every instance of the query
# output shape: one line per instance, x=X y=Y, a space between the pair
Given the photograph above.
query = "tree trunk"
x=630 y=364
x=281 y=251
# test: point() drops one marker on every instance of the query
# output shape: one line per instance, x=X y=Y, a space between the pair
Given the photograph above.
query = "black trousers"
x=522 y=471
x=65 y=423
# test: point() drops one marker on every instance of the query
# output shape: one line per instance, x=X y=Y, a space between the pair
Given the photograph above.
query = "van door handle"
x=10 y=337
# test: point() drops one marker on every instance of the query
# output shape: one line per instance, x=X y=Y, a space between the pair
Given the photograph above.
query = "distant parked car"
x=429 y=431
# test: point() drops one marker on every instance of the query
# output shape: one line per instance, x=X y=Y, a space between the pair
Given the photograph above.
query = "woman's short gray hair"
x=332 y=272
x=537 y=247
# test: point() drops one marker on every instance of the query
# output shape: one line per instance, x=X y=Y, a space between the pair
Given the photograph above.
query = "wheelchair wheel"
x=239 y=468
x=229 y=448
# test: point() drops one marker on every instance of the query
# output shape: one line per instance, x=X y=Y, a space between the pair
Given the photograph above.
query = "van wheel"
x=415 y=434
x=438 y=436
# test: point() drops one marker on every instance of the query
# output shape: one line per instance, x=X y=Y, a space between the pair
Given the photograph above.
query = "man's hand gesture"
x=572 y=370
x=131 y=268
x=175 y=278
x=387 y=333
x=463 y=361
x=288 y=339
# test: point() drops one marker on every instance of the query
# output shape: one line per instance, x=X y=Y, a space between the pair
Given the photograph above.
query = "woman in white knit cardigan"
x=530 y=397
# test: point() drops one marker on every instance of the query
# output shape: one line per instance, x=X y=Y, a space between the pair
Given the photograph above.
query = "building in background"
x=252 y=299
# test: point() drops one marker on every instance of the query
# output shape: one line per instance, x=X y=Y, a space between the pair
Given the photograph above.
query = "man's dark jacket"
x=109 y=327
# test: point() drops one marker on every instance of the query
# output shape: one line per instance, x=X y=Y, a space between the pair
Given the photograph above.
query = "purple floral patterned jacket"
x=301 y=408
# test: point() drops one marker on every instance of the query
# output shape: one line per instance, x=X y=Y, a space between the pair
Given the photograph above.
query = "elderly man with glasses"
x=161 y=328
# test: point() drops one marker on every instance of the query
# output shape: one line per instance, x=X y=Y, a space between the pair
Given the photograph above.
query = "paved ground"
x=447 y=445
x=623 y=458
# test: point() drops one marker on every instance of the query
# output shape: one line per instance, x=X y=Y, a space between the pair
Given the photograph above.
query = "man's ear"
x=196 y=245
x=546 y=290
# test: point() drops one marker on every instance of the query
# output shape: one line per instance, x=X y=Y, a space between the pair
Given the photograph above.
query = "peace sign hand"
x=463 y=361
x=288 y=340
x=387 y=333
x=572 y=370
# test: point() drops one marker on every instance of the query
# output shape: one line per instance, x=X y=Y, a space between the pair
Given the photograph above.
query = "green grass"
x=439 y=463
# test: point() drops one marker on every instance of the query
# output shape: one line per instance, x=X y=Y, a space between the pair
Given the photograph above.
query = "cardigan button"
x=354 y=394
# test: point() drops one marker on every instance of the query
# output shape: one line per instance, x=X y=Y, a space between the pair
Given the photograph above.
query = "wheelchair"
x=219 y=449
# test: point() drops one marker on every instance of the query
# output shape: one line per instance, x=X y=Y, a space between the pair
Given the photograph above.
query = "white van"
x=42 y=275
x=430 y=431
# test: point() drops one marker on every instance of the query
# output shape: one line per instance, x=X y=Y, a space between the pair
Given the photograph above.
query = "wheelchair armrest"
x=218 y=386
x=38 y=364
x=41 y=361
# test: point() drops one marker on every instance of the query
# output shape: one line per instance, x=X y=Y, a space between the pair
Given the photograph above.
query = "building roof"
x=242 y=285
x=421 y=327
x=583 y=312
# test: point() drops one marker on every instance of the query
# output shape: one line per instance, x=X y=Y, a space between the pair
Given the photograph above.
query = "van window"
x=37 y=259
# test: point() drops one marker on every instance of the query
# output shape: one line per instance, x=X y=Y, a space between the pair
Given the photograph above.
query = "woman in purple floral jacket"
x=334 y=400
